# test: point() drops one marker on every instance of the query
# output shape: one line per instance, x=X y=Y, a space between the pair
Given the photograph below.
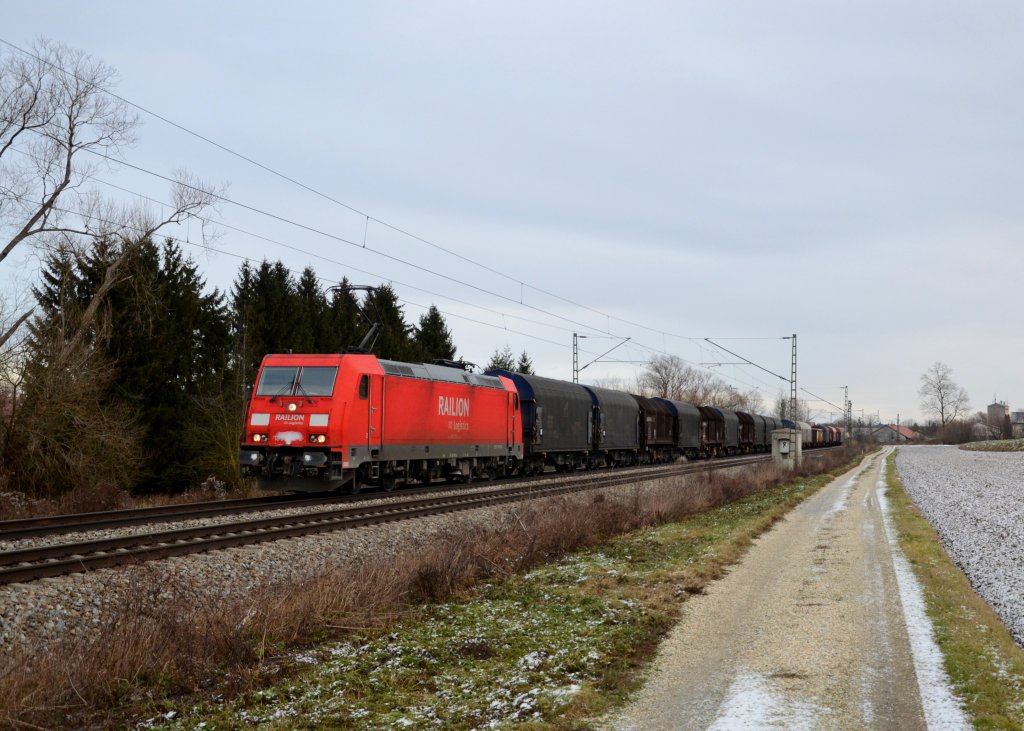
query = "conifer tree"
x=501 y=359
x=524 y=364
x=394 y=339
x=162 y=341
x=311 y=313
x=170 y=343
x=61 y=431
x=433 y=337
x=264 y=313
x=344 y=324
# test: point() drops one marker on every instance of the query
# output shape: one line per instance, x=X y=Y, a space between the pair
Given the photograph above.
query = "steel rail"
x=37 y=527
x=11 y=530
x=57 y=560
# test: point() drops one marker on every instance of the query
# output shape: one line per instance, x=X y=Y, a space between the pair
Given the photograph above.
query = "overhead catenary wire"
x=351 y=267
x=636 y=343
x=823 y=400
x=207 y=247
x=648 y=348
x=368 y=218
x=242 y=257
x=400 y=260
x=349 y=242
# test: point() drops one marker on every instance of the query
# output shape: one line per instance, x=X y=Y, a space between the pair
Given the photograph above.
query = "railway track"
x=30 y=564
x=12 y=530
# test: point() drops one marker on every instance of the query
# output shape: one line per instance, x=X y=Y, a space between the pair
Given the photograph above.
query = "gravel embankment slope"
x=975 y=501
x=46 y=611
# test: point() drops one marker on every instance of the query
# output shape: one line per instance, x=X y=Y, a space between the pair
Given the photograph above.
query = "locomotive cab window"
x=317 y=380
x=277 y=381
x=364 y=387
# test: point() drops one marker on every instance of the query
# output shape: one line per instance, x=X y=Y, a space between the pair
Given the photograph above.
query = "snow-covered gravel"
x=975 y=501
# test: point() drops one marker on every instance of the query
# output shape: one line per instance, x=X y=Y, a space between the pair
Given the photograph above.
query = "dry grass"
x=101 y=497
x=168 y=636
x=999 y=445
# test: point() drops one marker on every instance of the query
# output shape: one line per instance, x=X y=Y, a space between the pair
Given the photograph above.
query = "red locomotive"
x=326 y=422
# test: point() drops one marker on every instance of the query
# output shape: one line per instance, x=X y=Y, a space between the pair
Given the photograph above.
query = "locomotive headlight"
x=322 y=438
x=291 y=407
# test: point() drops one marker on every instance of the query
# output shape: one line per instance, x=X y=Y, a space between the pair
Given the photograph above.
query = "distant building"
x=997 y=413
x=892 y=434
x=1017 y=424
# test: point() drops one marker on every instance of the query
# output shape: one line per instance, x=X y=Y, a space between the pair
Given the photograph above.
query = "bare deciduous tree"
x=941 y=396
x=664 y=376
x=781 y=410
x=59 y=125
x=669 y=377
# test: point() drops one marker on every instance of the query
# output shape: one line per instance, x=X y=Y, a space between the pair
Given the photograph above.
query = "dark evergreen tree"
x=433 y=337
x=503 y=359
x=171 y=344
x=394 y=340
x=61 y=430
x=311 y=314
x=162 y=340
x=344 y=326
x=524 y=364
x=264 y=313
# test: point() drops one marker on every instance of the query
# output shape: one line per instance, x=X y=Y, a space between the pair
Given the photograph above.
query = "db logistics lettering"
x=451 y=406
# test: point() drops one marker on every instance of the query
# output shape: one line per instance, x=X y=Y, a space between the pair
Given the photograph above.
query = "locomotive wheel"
x=388 y=483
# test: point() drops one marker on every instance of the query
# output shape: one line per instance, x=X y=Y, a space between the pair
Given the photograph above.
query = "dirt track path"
x=808 y=632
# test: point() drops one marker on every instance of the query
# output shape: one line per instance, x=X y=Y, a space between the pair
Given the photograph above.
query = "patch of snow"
x=942 y=708
x=843 y=497
x=751 y=704
x=533 y=660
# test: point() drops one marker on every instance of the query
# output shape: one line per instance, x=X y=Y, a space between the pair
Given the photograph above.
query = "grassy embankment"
x=998 y=445
x=547 y=648
x=984 y=663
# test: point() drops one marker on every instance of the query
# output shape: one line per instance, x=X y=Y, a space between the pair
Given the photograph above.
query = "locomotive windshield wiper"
x=288 y=387
x=305 y=395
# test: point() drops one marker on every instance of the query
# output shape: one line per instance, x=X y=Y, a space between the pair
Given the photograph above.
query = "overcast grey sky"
x=850 y=172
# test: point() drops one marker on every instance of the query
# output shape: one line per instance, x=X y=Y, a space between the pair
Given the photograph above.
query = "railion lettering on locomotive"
x=289 y=417
x=452 y=406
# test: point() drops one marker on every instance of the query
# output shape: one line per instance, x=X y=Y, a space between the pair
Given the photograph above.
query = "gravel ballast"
x=975 y=502
x=42 y=612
